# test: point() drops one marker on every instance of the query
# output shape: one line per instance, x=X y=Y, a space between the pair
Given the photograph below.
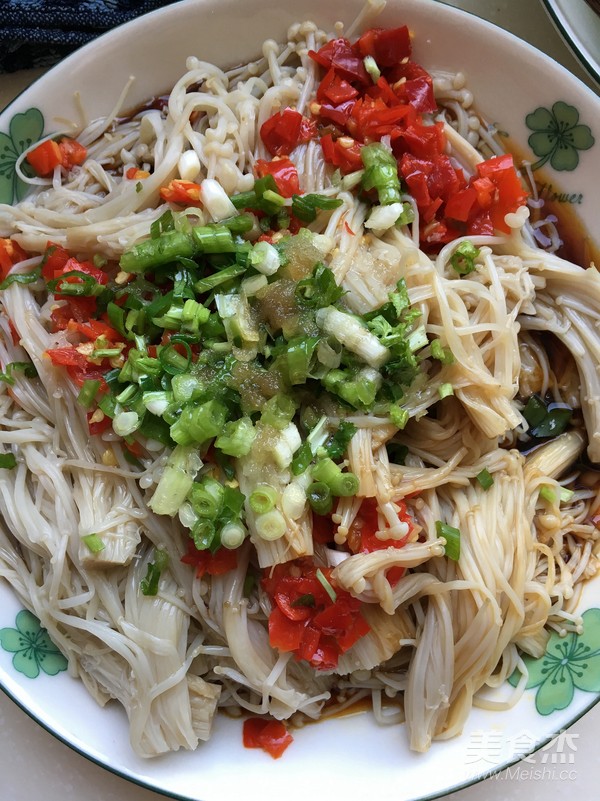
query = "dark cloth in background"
x=38 y=33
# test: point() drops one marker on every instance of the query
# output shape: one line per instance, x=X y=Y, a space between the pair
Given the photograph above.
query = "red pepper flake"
x=270 y=735
x=185 y=193
x=284 y=174
x=306 y=619
x=10 y=254
x=285 y=130
x=16 y=338
x=215 y=564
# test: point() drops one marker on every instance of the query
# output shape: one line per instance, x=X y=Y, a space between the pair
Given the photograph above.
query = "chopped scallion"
x=157 y=402
x=305 y=207
x=7 y=461
x=199 y=422
x=220 y=277
x=381 y=173
x=88 y=392
x=547 y=494
x=172 y=361
x=93 y=542
x=485 y=478
x=125 y=423
x=534 y=411
x=439 y=352
x=302 y=458
x=278 y=411
x=324 y=582
x=27 y=368
x=263 y=498
x=151 y=253
x=237 y=437
x=232 y=535
x=372 y=68
x=399 y=415
x=339 y=483
x=84 y=286
x=240 y=224
x=149 y=584
x=452 y=537
x=337 y=446
x=271 y=525
x=22 y=278
x=565 y=495
x=206 y=498
x=462 y=260
x=204 y=534
x=213 y=239
x=320 y=498
x=176 y=480
x=300 y=354
x=554 y=423
x=273 y=197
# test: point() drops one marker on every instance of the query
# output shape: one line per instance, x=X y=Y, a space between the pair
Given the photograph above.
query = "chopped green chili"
x=462 y=260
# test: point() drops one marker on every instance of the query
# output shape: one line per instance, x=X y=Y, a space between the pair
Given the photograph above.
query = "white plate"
x=349 y=758
x=580 y=27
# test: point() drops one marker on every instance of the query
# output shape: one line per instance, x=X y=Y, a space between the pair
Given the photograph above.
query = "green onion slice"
x=7 y=461
x=462 y=260
x=305 y=207
x=547 y=493
x=452 y=537
x=204 y=534
x=86 y=286
x=93 y=542
x=22 y=278
x=302 y=458
x=174 y=362
x=88 y=392
x=149 y=584
x=535 y=411
x=554 y=423
x=338 y=445
x=320 y=498
x=485 y=478
x=323 y=581
x=27 y=368
x=263 y=499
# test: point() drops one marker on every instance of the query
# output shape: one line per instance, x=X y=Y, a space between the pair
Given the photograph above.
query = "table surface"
x=33 y=761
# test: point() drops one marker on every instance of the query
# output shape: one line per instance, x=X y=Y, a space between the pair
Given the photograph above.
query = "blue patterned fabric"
x=38 y=33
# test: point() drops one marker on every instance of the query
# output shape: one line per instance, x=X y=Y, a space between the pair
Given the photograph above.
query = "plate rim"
x=571 y=39
x=176 y=796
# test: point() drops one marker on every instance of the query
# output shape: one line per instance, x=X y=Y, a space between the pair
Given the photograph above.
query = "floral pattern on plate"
x=558 y=136
x=24 y=130
x=571 y=662
x=32 y=647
